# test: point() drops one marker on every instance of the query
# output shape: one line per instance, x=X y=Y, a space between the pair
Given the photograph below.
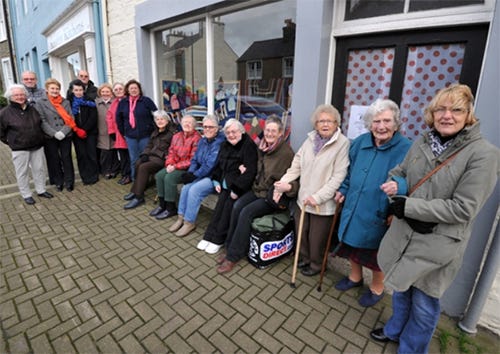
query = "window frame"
x=287 y=69
x=249 y=70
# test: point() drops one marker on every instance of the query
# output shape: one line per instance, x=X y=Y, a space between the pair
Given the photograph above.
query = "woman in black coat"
x=233 y=176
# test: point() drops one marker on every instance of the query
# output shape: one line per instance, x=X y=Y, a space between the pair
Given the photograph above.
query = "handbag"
x=426 y=177
x=272 y=237
x=282 y=203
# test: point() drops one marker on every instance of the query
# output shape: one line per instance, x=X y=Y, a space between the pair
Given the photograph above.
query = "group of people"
x=407 y=208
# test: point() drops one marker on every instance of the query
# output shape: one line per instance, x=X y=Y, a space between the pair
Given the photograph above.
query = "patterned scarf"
x=266 y=148
x=66 y=117
x=319 y=142
x=439 y=144
x=131 y=116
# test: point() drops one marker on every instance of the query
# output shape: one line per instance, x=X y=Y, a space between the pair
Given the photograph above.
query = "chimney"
x=289 y=31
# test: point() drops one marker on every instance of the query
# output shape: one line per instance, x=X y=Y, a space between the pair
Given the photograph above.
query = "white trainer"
x=202 y=245
x=212 y=248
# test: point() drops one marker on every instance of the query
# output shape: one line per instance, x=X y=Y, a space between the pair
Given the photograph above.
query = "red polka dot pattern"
x=428 y=69
x=369 y=74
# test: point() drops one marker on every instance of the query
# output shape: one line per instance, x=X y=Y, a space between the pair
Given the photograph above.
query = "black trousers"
x=217 y=228
x=86 y=157
x=59 y=161
x=109 y=163
x=143 y=171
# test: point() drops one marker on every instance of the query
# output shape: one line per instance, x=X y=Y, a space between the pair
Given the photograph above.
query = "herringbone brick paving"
x=81 y=275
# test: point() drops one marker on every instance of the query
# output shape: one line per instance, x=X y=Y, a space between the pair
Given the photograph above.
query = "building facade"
x=58 y=38
x=6 y=58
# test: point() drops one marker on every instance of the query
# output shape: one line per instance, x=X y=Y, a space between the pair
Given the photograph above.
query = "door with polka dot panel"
x=429 y=68
x=407 y=67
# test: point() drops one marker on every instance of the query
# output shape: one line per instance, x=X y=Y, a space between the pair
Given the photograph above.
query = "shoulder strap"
x=437 y=168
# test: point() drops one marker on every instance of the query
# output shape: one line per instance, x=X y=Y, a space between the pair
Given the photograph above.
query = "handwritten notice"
x=356 y=122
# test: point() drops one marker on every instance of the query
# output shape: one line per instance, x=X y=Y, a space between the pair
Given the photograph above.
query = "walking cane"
x=328 y=244
x=297 y=246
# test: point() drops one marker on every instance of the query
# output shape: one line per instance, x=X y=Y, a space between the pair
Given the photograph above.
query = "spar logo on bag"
x=273 y=249
x=272 y=238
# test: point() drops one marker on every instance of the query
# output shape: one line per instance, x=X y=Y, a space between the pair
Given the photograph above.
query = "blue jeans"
x=191 y=197
x=415 y=316
x=135 y=148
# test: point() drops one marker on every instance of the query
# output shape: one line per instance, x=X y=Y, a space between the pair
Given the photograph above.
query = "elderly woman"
x=108 y=159
x=321 y=163
x=233 y=176
x=21 y=129
x=134 y=118
x=152 y=158
x=422 y=251
x=197 y=183
x=119 y=142
x=274 y=158
x=58 y=124
x=180 y=154
x=364 y=217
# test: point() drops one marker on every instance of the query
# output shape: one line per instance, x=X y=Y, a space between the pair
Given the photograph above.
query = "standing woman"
x=423 y=249
x=21 y=129
x=364 y=217
x=180 y=153
x=108 y=160
x=119 y=143
x=58 y=123
x=85 y=112
x=321 y=163
x=135 y=121
x=233 y=176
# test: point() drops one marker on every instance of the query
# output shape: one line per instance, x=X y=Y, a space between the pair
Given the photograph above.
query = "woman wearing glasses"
x=197 y=182
x=422 y=251
x=321 y=163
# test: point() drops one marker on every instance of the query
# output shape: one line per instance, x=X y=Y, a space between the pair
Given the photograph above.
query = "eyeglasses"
x=328 y=122
x=440 y=111
x=209 y=127
x=232 y=132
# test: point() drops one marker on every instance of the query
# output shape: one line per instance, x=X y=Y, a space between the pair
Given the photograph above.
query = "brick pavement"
x=81 y=275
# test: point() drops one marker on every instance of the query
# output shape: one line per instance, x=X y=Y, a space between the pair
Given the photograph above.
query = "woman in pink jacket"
x=120 y=145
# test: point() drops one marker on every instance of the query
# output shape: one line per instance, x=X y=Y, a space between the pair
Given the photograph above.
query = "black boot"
x=170 y=210
x=159 y=208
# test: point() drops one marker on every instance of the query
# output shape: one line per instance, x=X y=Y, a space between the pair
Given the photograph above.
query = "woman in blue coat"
x=364 y=216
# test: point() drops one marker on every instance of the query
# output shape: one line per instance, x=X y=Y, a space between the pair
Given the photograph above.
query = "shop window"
x=7 y=72
x=287 y=67
x=254 y=70
x=3 y=31
x=408 y=68
x=420 y=5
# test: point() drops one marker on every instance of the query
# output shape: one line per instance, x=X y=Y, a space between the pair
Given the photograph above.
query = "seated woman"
x=180 y=154
x=197 y=183
x=232 y=177
x=274 y=157
x=152 y=158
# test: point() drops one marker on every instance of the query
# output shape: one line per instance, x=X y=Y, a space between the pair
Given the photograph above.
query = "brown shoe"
x=186 y=228
x=177 y=224
x=225 y=267
x=221 y=258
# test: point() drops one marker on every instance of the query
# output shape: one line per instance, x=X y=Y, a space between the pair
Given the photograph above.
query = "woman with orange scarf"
x=58 y=123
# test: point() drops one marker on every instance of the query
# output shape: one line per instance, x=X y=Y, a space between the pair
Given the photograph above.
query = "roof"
x=271 y=48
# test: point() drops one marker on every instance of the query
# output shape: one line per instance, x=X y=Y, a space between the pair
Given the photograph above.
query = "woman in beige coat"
x=321 y=163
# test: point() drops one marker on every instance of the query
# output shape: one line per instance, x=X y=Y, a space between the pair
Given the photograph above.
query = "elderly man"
x=21 y=129
x=90 y=89
x=30 y=83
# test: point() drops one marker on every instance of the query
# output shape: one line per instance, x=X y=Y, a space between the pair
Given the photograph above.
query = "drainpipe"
x=96 y=11
x=483 y=286
x=8 y=24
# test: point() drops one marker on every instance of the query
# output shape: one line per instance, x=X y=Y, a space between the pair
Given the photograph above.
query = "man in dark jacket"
x=21 y=129
x=89 y=89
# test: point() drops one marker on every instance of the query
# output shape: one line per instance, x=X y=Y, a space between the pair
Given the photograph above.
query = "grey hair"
x=161 y=114
x=234 y=121
x=8 y=94
x=379 y=106
x=212 y=118
x=328 y=109
x=189 y=116
x=273 y=118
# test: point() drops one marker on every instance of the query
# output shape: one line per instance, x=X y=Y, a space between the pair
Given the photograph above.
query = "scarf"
x=267 y=148
x=75 y=105
x=66 y=117
x=131 y=116
x=319 y=142
x=438 y=143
